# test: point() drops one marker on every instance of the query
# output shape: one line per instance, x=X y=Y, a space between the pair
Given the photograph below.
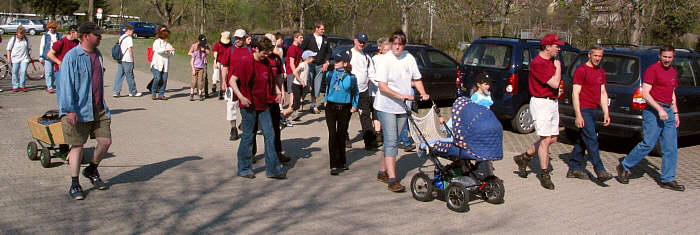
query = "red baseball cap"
x=550 y=39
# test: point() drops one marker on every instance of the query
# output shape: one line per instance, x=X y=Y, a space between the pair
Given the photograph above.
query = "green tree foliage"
x=673 y=19
x=53 y=7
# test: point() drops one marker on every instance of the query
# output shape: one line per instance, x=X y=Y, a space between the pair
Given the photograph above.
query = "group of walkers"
x=660 y=117
x=258 y=78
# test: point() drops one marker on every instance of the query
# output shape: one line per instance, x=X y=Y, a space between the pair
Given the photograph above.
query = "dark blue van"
x=506 y=61
x=141 y=29
x=624 y=67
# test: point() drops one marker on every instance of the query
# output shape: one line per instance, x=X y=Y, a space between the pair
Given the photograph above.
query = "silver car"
x=32 y=26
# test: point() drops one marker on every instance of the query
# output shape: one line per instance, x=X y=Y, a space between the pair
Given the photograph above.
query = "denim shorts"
x=391 y=125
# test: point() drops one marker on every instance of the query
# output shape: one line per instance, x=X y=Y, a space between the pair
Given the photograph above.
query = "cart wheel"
x=32 y=151
x=45 y=157
x=494 y=190
x=422 y=187
x=457 y=197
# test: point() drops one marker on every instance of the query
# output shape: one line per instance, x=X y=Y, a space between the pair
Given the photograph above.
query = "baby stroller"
x=476 y=140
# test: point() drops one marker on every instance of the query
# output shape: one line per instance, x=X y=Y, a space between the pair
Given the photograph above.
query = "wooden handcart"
x=50 y=138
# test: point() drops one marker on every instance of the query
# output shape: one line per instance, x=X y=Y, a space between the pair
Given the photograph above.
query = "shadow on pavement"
x=118 y=111
x=408 y=162
x=147 y=172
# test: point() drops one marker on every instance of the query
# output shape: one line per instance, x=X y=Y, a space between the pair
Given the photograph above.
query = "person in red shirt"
x=660 y=121
x=589 y=93
x=61 y=47
x=229 y=60
x=254 y=84
x=220 y=50
x=544 y=78
x=292 y=61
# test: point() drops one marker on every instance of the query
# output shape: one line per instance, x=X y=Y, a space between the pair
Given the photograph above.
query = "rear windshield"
x=488 y=55
x=686 y=73
x=618 y=69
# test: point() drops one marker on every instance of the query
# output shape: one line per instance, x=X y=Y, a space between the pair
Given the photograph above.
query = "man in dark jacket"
x=318 y=43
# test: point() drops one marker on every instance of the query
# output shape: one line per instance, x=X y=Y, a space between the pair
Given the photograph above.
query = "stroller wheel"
x=457 y=197
x=422 y=187
x=494 y=190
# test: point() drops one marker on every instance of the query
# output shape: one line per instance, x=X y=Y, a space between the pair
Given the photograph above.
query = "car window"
x=37 y=22
x=419 y=58
x=526 y=59
x=684 y=68
x=150 y=26
x=618 y=69
x=568 y=57
x=439 y=60
x=488 y=55
x=14 y=22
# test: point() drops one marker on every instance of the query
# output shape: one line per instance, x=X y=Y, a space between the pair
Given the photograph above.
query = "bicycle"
x=35 y=69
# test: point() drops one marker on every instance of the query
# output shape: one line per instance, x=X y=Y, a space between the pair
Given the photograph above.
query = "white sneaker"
x=139 y=94
x=115 y=95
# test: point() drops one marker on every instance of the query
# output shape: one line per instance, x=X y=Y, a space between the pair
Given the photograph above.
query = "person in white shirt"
x=47 y=41
x=18 y=50
x=363 y=69
x=384 y=46
x=161 y=62
x=125 y=67
x=396 y=74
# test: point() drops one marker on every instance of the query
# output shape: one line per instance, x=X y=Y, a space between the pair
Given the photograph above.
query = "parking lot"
x=172 y=169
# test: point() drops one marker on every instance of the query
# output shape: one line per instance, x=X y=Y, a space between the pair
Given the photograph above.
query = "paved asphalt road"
x=172 y=170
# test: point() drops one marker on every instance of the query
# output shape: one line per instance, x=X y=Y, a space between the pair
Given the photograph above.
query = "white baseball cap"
x=239 y=33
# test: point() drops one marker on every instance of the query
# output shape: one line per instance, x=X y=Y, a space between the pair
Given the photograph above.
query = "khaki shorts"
x=78 y=134
x=545 y=113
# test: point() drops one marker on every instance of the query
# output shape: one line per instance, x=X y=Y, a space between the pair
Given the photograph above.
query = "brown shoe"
x=546 y=180
x=673 y=185
x=396 y=187
x=383 y=177
x=522 y=161
x=604 y=176
x=249 y=176
x=623 y=176
x=154 y=97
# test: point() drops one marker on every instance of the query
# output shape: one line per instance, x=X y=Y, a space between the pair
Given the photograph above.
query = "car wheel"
x=523 y=122
x=32 y=32
x=134 y=35
x=2 y=31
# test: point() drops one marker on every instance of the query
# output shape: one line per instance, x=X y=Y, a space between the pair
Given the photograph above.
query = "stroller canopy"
x=477 y=133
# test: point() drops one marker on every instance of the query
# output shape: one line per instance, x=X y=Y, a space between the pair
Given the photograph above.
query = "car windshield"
x=618 y=69
x=686 y=74
x=488 y=55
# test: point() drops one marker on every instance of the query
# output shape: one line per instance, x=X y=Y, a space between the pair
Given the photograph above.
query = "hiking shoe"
x=316 y=111
x=115 y=95
x=335 y=171
x=522 y=161
x=579 y=174
x=623 y=176
x=76 y=192
x=283 y=158
x=546 y=180
x=673 y=185
x=281 y=176
x=249 y=176
x=191 y=97
x=23 y=89
x=138 y=94
x=604 y=176
x=234 y=134
x=383 y=177
x=201 y=97
x=94 y=177
x=396 y=187
x=154 y=97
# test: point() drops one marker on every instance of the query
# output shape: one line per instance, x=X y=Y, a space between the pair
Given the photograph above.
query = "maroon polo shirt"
x=293 y=52
x=61 y=48
x=541 y=71
x=221 y=50
x=255 y=81
x=590 y=80
x=663 y=81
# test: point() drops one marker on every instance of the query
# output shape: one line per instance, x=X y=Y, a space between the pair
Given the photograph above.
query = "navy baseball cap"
x=362 y=37
x=341 y=56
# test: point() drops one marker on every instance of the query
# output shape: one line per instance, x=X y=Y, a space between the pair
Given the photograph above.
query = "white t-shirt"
x=19 y=49
x=303 y=73
x=397 y=72
x=362 y=68
x=127 y=43
x=319 y=40
x=374 y=86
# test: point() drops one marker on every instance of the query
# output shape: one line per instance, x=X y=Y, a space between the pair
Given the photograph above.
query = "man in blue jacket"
x=81 y=104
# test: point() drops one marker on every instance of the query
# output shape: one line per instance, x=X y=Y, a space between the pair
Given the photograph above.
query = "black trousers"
x=337 y=119
x=275 y=116
x=366 y=111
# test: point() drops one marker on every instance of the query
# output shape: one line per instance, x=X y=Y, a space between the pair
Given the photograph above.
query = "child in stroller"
x=476 y=140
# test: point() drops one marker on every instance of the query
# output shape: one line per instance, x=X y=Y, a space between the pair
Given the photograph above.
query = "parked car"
x=506 y=61
x=31 y=26
x=438 y=70
x=141 y=29
x=624 y=70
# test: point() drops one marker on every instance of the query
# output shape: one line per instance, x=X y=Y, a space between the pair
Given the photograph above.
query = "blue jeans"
x=587 y=140
x=655 y=130
x=125 y=69
x=19 y=72
x=317 y=76
x=391 y=124
x=404 y=139
x=49 y=74
x=157 y=77
x=245 y=158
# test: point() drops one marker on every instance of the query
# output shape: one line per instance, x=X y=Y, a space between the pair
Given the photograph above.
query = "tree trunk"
x=404 y=18
x=301 y=19
x=121 y=12
x=91 y=10
x=204 y=20
x=635 y=38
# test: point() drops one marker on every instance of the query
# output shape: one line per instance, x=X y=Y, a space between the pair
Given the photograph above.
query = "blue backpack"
x=117 y=50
